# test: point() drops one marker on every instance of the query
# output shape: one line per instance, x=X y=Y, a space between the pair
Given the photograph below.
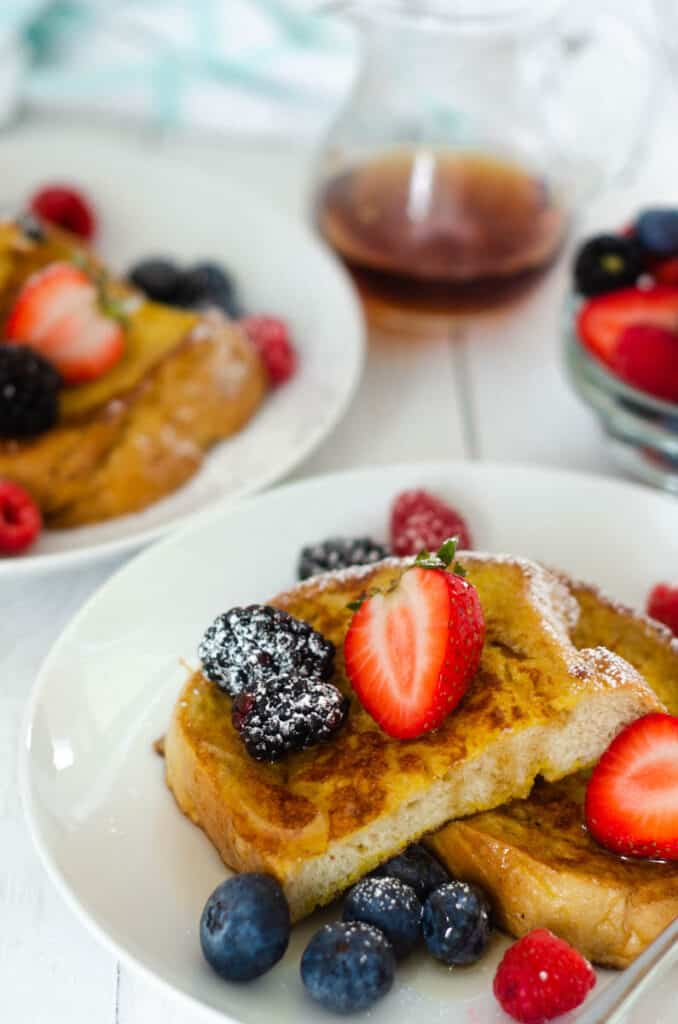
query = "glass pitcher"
x=474 y=131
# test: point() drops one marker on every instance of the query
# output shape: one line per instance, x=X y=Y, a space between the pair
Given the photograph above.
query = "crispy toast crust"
x=324 y=817
x=535 y=857
x=120 y=452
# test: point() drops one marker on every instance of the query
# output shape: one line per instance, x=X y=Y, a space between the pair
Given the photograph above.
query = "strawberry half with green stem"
x=632 y=796
x=64 y=314
x=411 y=653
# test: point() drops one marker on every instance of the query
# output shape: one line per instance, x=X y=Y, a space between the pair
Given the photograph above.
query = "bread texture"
x=535 y=857
x=186 y=381
x=321 y=819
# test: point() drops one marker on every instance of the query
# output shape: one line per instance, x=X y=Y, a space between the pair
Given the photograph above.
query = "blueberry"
x=245 y=926
x=157 y=278
x=391 y=906
x=348 y=967
x=457 y=923
x=416 y=867
x=606 y=263
x=207 y=284
x=657 y=231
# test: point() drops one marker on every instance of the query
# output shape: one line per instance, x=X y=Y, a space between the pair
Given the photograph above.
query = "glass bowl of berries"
x=621 y=341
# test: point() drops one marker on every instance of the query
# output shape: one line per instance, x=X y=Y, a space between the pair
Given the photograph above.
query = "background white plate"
x=136 y=871
x=152 y=205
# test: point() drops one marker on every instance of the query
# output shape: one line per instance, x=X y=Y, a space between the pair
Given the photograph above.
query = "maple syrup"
x=432 y=232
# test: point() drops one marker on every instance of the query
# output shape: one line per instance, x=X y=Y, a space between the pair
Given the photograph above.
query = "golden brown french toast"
x=185 y=381
x=320 y=819
x=535 y=857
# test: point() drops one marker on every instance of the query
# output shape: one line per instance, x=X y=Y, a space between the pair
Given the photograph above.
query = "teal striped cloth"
x=246 y=66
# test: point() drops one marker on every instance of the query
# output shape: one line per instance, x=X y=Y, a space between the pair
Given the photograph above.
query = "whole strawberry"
x=420 y=520
x=411 y=653
x=540 y=977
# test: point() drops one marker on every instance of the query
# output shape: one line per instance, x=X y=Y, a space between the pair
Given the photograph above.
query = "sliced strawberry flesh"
x=411 y=653
x=632 y=798
x=600 y=321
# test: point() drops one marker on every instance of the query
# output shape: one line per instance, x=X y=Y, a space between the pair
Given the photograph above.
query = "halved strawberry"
x=58 y=312
x=600 y=321
x=411 y=653
x=632 y=796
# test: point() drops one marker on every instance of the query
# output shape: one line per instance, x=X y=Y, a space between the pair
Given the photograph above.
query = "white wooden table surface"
x=500 y=396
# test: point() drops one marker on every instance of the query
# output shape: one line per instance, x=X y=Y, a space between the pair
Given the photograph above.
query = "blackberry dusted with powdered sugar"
x=339 y=553
x=279 y=717
x=249 y=646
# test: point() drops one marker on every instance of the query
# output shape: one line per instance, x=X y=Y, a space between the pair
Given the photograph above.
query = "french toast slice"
x=535 y=857
x=185 y=381
x=320 y=819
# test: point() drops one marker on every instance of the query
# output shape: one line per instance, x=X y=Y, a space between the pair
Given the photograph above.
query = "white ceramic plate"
x=134 y=869
x=151 y=205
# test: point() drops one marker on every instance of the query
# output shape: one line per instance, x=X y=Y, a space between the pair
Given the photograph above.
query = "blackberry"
x=247 y=646
x=606 y=263
x=339 y=553
x=29 y=392
x=277 y=718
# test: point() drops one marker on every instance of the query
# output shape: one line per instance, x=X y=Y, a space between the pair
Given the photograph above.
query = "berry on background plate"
x=271 y=338
x=632 y=796
x=646 y=357
x=607 y=263
x=662 y=605
x=66 y=207
x=541 y=977
x=348 y=966
x=29 y=393
x=245 y=926
x=411 y=653
x=601 y=320
x=420 y=520
x=59 y=313
x=391 y=906
x=20 y=519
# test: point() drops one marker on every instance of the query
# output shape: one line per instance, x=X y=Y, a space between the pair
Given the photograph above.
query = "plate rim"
x=22 y=566
x=228 y=508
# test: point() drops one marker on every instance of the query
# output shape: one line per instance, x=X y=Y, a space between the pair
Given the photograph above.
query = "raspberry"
x=20 y=519
x=272 y=340
x=540 y=977
x=647 y=358
x=662 y=605
x=420 y=520
x=67 y=208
